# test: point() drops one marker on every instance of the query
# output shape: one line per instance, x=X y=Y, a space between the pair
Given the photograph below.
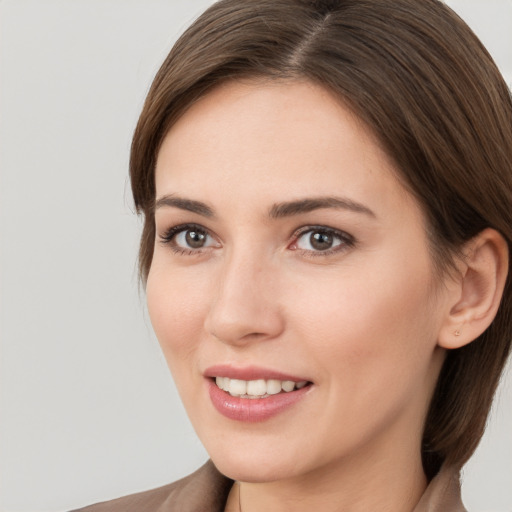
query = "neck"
x=349 y=487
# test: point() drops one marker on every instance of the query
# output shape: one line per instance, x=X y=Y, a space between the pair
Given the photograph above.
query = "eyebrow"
x=277 y=211
x=307 y=205
x=184 y=204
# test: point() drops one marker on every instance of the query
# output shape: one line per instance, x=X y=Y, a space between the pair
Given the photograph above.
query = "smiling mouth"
x=261 y=388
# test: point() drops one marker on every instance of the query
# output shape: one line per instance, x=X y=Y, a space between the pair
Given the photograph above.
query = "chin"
x=258 y=452
x=243 y=468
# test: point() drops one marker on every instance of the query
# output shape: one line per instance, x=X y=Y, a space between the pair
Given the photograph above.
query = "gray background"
x=88 y=411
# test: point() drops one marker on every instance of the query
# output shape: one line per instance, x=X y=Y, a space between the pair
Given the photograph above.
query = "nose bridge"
x=245 y=304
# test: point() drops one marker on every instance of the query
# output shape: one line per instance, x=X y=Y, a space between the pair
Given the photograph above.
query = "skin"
x=360 y=321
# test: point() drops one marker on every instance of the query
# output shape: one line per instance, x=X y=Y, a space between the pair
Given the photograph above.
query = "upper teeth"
x=257 y=388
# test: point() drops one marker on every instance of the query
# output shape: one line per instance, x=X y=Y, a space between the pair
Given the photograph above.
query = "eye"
x=322 y=240
x=191 y=239
x=188 y=238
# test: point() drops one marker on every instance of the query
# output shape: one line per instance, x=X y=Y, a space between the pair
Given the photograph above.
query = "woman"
x=326 y=189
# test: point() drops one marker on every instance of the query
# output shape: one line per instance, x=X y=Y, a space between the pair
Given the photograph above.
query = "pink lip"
x=248 y=373
x=248 y=409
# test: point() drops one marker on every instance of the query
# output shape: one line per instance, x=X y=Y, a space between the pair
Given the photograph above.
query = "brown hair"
x=425 y=85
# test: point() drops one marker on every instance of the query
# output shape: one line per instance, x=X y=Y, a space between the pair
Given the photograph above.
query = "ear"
x=477 y=292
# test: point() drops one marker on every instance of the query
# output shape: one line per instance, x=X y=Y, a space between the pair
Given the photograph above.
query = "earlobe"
x=477 y=296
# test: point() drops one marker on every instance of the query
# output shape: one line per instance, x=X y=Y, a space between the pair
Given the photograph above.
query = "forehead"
x=273 y=137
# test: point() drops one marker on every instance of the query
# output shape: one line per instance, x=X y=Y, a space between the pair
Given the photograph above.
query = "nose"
x=245 y=307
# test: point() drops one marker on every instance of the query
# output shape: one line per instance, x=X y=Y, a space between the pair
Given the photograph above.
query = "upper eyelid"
x=318 y=227
x=335 y=231
x=184 y=227
x=297 y=231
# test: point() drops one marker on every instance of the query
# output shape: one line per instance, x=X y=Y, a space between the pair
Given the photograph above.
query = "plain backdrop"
x=88 y=410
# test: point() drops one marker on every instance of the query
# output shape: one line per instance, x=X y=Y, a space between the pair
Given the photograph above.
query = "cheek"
x=373 y=349
x=371 y=323
x=177 y=306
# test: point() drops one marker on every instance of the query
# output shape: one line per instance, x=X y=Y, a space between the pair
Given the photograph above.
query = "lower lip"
x=252 y=410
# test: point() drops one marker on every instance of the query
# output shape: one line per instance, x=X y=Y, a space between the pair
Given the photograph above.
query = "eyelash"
x=168 y=238
x=347 y=241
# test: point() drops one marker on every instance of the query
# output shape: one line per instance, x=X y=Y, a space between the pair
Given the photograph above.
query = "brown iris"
x=195 y=239
x=321 y=241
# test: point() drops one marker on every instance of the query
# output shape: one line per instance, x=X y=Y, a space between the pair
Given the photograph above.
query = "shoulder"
x=205 y=490
x=443 y=493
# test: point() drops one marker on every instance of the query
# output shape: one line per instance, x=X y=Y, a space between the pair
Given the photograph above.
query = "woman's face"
x=291 y=264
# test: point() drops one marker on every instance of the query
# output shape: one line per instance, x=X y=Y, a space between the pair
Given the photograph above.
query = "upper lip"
x=249 y=373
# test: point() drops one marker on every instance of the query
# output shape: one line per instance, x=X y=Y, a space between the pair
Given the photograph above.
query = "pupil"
x=321 y=241
x=195 y=239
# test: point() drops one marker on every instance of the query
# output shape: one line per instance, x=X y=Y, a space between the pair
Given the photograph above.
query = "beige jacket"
x=206 y=490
